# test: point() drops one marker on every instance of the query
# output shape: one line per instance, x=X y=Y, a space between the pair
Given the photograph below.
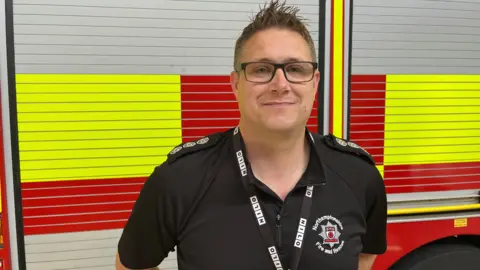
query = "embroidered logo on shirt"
x=330 y=231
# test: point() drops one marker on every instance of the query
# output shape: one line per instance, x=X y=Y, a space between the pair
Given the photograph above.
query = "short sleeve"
x=375 y=239
x=149 y=233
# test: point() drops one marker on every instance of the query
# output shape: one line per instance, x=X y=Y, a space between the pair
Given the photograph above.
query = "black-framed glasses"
x=263 y=72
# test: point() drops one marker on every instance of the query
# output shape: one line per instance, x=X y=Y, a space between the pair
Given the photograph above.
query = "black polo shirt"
x=196 y=201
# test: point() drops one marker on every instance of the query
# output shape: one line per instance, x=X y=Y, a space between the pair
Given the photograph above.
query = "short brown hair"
x=275 y=15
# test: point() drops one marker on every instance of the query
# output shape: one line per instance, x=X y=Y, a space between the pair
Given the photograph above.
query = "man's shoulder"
x=194 y=151
x=349 y=150
x=348 y=160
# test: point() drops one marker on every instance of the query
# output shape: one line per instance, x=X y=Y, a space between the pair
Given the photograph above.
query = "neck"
x=278 y=159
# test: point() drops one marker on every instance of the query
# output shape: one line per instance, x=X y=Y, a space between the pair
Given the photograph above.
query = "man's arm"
x=365 y=261
x=119 y=265
x=149 y=233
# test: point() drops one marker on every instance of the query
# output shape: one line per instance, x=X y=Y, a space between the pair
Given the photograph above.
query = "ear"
x=234 y=80
x=316 y=80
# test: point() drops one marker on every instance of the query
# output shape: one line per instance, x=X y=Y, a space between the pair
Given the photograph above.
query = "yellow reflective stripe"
x=433 y=78
x=57 y=155
x=92 y=162
x=96 y=97
x=435 y=94
x=400 y=111
x=439 y=126
x=99 y=116
x=90 y=173
x=39 y=145
x=429 y=102
x=443 y=117
x=338 y=9
x=93 y=88
x=100 y=125
x=437 y=209
x=99 y=107
x=451 y=141
x=95 y=78
x=99 y=134
x=92 y=126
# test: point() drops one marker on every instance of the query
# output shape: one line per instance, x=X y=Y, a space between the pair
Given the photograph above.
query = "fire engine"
x=95 y=93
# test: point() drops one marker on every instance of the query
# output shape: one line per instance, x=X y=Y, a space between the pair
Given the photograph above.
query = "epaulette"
x=187 y=148
x=348 y=147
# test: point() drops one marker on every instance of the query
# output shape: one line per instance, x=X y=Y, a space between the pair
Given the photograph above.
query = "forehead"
x=276 y=45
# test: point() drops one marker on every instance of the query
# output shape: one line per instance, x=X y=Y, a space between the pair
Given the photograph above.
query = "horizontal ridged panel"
x=84 y=134
x=447 y=124
x=415 y=37
x=367 y=114
x=144 y=37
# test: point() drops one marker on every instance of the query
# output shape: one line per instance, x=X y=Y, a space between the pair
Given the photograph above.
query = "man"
x=267 y=194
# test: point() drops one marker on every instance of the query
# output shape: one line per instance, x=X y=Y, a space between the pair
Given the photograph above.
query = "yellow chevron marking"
x=96 y=126
x=432 y=119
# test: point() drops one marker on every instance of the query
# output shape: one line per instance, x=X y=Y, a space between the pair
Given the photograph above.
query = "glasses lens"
x=295 y=72
x=259 y=72
x=299 y=72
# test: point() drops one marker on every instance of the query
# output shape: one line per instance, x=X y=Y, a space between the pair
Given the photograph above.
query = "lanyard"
x=264 y=228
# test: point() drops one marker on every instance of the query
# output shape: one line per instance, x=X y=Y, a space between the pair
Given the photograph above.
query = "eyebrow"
x=290 y=59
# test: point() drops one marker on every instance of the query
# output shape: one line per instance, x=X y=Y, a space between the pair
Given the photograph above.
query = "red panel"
x=376 y=151
x=431 y=188
x=367 y=103
x=66 y=219
x=79 y=200
x=207 y=97
x=196 y=105
x=404 y=237
x=110 y=181
x=200 y=88
x=61 y=228
x=367 y=94
x=83 y=189
x=358 y=135
x=472 y=168
x=357 y=119
x=367 y=110
x=204 y=79
x=439 y=179
x=201 y=132
x=368 y=86
x=367 y=127
x=369 y=78
x=75 y=209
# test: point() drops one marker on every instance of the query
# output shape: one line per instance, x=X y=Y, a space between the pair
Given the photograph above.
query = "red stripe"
x=368 y=86
x=213 y=88
x=443 y=187
x=208 y=97
x=367 y=94
x=358 y=119
x=201 y=132
x=355 y=135
x=196 y=105
x=84 y=199
x=368 y=103
x=204 y=79
x=367 y=127
x=367 y=143
x=70 y=183
x=66 y=219
x=475 y=164
x=438 y=179
x=81 y=190
x=367 y=110
x=75 y=209
x=369 y=78
x=61 y=228
x=415 y=172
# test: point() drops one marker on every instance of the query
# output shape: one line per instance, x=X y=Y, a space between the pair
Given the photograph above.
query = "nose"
x=280 y=80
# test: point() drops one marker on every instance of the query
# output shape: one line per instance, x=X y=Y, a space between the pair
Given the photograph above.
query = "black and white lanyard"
x=262 y=222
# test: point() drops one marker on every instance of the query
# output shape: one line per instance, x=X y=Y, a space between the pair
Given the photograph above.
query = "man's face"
x=277 y=105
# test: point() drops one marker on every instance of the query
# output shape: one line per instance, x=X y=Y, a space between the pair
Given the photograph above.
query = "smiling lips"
x=278 y=103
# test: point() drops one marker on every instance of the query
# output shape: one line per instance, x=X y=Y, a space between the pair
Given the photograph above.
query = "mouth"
x=278 y=103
